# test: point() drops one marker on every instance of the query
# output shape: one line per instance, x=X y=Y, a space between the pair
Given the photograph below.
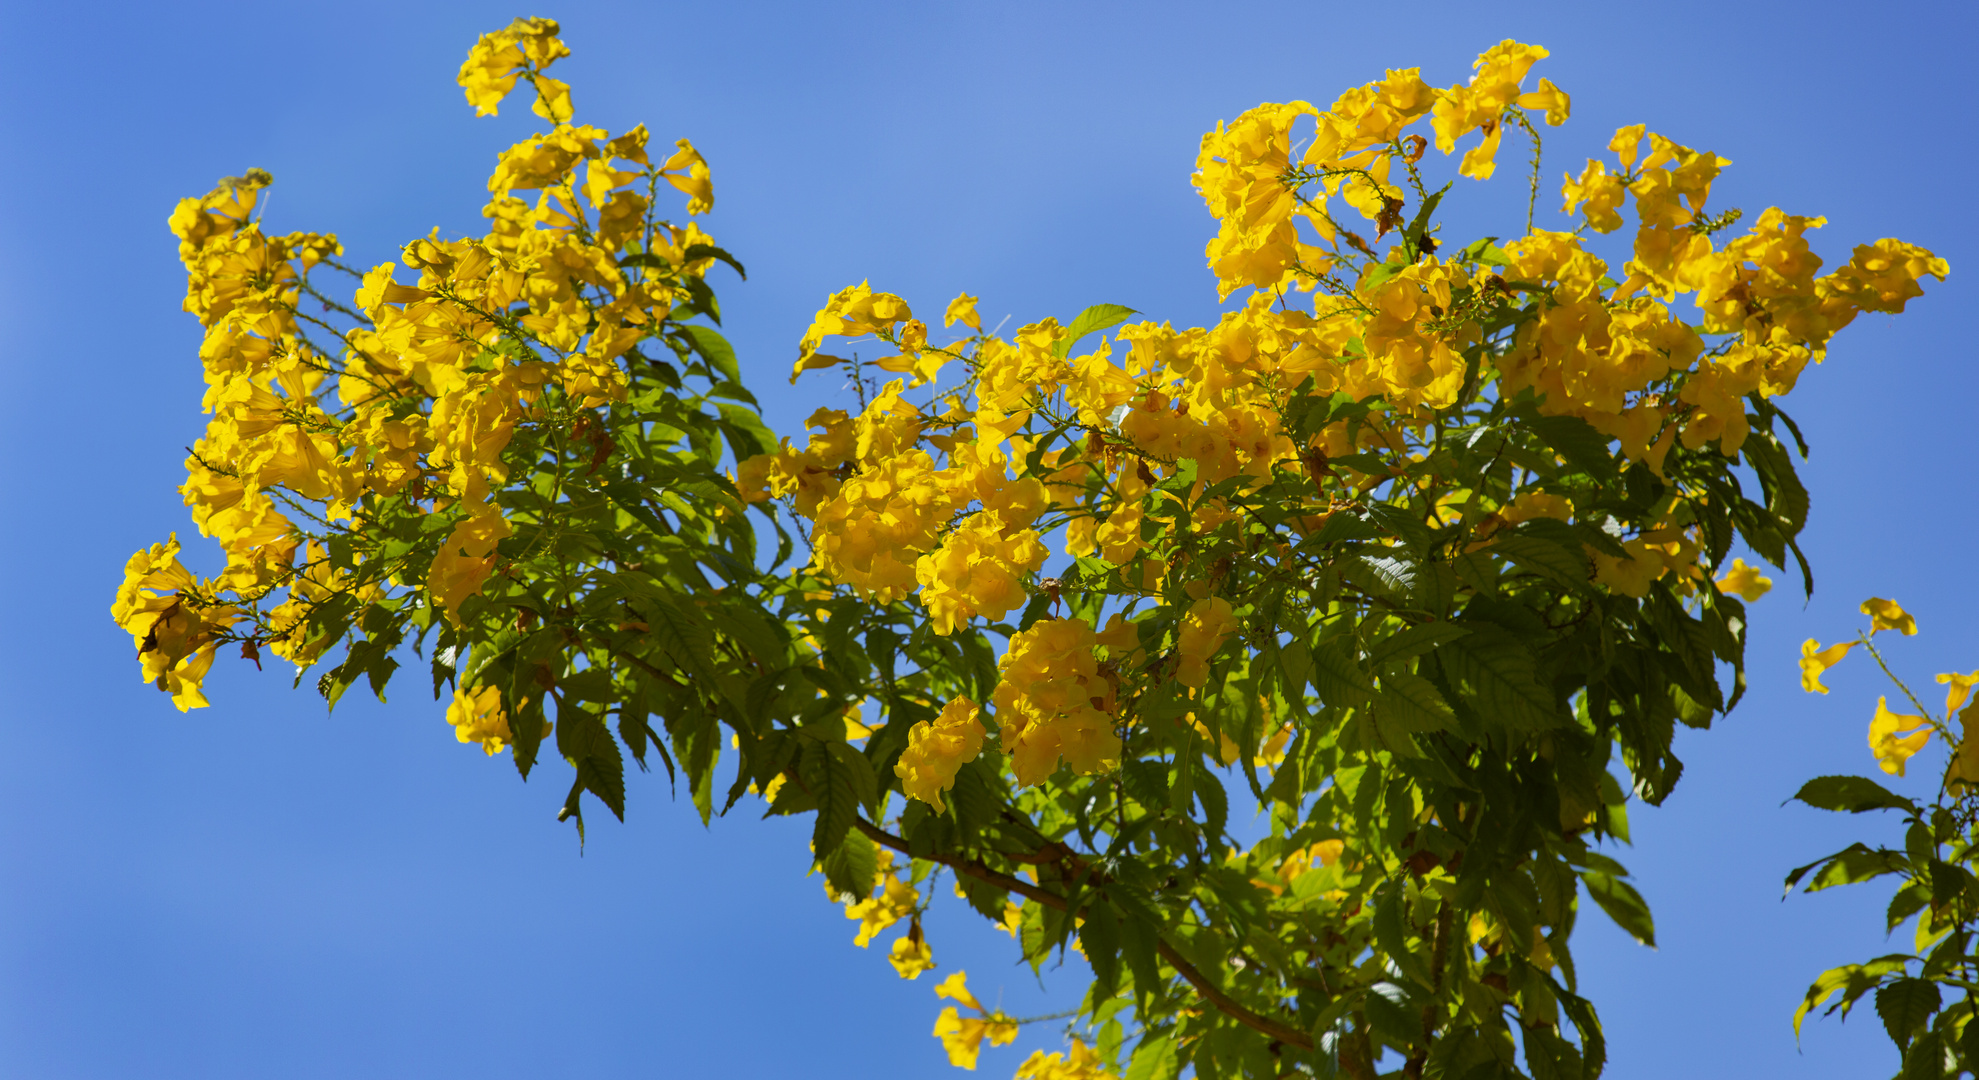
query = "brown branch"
x=1439 y=953
x=1290 y=1036
x=1204 y=986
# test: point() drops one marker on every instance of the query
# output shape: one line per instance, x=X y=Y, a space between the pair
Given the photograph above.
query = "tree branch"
x=1206 y=988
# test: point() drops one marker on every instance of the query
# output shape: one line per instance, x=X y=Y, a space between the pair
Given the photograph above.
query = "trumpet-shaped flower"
x=1814 y=660
x=1745 y=580
x=1894 y=737
x=1888 y=615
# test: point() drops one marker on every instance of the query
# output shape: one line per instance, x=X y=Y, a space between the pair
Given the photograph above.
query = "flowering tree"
x=1934 y=866
x=1407 y=550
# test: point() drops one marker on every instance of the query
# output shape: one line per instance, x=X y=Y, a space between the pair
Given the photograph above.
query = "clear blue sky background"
x=260 y=889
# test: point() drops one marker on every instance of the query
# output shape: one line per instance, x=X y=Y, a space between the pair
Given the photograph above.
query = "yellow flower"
x=688 y=171
x=1965 y=760
x=464 y=562
x=1814 y=660
x=911 y=956
x=1081 y=1063
x=895 y=900
x=956 y=987
x=937 y=751
x=1205 y=628
x=1960 y=689
x=962 y=309
x=477 y=716
x=1894 y=737
x=1745 y=580
x=962 y=1036
x=1631 y=576
x=499 y=58
x=1550 y=98
x=979 y=569
x=1888 y=615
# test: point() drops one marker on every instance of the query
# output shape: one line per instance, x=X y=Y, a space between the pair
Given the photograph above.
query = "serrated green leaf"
x=1543 y=557
x=1498 y=676
x=1406 y=645
x=1575 y=440
x=1090 y=321
x=1337 y=676
x=852 y=865
x=584 y=742
x=1905 y=1006
x=1414 y=702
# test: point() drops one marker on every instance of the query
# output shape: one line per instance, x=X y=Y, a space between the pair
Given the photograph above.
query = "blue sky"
x=261 y=889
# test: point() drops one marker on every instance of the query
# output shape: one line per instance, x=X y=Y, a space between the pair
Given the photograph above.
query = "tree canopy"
x=1414 y=547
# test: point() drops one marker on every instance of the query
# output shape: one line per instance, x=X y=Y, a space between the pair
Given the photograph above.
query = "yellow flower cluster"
x=524 y=49
x=1052 y=702
x=1894 y=738
x=477 y=716
x=948 y=499
x=171 y=621
x=937 y=750
x=1207 y=625
x=886 y=528
x=1081 y=1062
x=416 y=403
x=1596 y=347
x=889 y=901
x=963 y=1036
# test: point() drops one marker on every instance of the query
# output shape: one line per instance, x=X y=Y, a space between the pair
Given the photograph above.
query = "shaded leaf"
x=1905 y=1006
x=1855 y=794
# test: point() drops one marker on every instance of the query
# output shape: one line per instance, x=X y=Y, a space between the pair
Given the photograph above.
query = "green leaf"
x=746 y=433
x=1414 y=702
x=696 y=252
x=1854 y=794
x=1408 y=644
x=852 y=865
x=1092 y=320
x=1140 y=935
x=1099 y=936
x=1154 y=1059
x=715 y=349
x=1485 y=250
x=1906 y=1006
x=1575 y=440
x=1391 y=1015
x=1382 y=575
x=583 y=740
x=1543 y=557
x=842 y=781
x=1852 y=980
x=1856 y=863
x=1622 y=903
x=1337 y=677
x=1502 y=683
x=1786 y=497
x=1925 y=1060
x=1391 y=933
x=1908 y=901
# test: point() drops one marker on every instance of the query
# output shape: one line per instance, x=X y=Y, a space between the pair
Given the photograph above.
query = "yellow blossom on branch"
x=1894 y=737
